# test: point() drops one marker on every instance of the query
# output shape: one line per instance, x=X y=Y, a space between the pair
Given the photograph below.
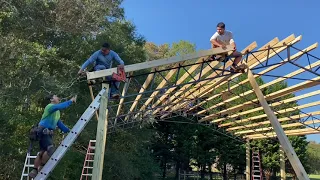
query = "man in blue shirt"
x=49 y=121
x=103 y=59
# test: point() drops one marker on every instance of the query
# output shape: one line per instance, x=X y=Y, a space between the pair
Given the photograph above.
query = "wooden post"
x=248 y=160
x=282 y=164
x=101 y=135
x=284 y=141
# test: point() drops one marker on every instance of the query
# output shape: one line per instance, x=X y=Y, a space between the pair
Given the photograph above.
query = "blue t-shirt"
x=100 y=59
x=51 y=116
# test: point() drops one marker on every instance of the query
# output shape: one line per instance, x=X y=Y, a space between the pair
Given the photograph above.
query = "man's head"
x=105 y=49
x=52 y=98
x=220 y=28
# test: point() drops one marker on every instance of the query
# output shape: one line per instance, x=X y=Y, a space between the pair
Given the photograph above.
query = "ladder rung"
x=29 y=165
x=92 y=147
x=90 y=153
x=89 y=160
x=88 y=167
x=32 y=157
x=256 y=171
x=86 y=174
x=92 y=140
x=256 y=175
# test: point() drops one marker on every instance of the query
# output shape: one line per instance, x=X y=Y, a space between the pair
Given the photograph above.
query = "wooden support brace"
x=284 y=141
x=101 y=136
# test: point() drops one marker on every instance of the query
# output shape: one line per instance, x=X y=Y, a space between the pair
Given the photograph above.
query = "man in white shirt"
x=221 y=38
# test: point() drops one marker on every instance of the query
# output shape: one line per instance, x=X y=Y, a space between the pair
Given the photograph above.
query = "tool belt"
x=36 y=132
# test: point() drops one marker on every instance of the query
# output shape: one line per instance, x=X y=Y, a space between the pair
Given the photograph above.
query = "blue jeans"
x=114 y=85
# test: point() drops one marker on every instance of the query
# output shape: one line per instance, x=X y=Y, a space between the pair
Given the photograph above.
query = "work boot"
x=33 y=173
x=115 y=96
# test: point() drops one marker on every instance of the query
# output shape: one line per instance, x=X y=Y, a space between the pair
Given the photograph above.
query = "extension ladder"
x=28 y=165
x=71 y=137
x=88 y=162
x=256 y=171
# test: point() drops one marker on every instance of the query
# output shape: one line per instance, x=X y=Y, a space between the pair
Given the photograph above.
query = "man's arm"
x=91 y=59
x=117 y=58
x=63 y=128
x=232 y=42
x=60 y=106
x=214 y=41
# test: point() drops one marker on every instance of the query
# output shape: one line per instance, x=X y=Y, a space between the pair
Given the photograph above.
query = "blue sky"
x=168 y=21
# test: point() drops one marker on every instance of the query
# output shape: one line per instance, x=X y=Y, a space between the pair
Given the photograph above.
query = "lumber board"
x=183 y=78
x=291 y=109
x=280 y=93
x=283 y=126
x=295 y=117
x=295 y=132
x=124 y=92
x=292 y=74
x=220 y=81
x=274 y=104
x=160 y=62
x=142 y=89
x=283 y=139
x=293 y=57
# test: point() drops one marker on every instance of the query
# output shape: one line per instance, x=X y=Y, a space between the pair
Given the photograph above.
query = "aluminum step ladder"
x=88 y=162
x=28 y=165
x=256 y=170
x=71 y=137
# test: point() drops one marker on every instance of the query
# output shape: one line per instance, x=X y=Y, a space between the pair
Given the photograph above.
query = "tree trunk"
x=164 y=166
x=202 y=171
x=210 y=170
x=177 y=169
x=225 y=177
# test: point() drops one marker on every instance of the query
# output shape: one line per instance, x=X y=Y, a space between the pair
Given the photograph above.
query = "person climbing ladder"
x=103 y=60
x=49 y=121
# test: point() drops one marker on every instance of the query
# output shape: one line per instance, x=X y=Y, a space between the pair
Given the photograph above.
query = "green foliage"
x=313 y=151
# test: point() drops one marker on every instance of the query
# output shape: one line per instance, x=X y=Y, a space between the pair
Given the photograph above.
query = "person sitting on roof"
x=103 y=59
x=49 y=121
x=221 y=38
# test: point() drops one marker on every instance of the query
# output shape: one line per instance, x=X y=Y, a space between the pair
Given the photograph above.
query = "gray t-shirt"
x=226 y=38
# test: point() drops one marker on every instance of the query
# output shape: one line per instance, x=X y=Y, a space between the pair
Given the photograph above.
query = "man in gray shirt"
x=221 y=38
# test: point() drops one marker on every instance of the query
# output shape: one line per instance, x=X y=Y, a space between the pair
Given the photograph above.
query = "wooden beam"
x=295 y=117
x=274 y=104
x=160 y=86
x=277 y=94
x=183 y=78
x=279 y=112
x=142 y=89
x=92 y=97
x=188 y=88
x=292 y=74
x=160 y=62
x=283 y=126
x=283 y=139
x=220 y=81
x=295 y=132
x=101 y=136
x=264 y=85
x=124 y=92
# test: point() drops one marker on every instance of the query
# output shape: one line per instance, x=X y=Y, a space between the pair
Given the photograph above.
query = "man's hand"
x=74 y=99
x=80 y=72
x=223 y=46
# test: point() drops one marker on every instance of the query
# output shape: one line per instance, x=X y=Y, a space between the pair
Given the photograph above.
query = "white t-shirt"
x=226 y=38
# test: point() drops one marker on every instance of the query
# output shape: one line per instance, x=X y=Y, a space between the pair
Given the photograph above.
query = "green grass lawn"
x=315 y=177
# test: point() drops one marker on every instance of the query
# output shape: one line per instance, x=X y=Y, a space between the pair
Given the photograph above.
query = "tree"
x=41 y=49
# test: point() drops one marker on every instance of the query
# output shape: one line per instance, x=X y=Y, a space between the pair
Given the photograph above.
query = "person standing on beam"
x=103 y=59
x=49 y=122
x=221 y=38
